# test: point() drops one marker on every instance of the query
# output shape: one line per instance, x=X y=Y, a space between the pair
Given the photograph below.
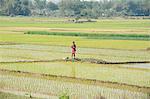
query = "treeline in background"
x=75 y=8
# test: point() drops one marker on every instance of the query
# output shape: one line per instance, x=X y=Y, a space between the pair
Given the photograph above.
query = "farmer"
x=73 y=50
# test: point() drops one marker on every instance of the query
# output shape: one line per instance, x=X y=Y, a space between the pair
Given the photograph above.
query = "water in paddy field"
x=143 y=66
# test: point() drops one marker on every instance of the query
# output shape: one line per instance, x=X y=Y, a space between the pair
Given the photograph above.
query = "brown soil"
x=148 y=49
x=86 y=60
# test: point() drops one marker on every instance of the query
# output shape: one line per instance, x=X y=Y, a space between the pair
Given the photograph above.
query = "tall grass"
x=94 y=35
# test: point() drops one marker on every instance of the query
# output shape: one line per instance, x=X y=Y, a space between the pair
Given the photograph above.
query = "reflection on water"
x=144 y=66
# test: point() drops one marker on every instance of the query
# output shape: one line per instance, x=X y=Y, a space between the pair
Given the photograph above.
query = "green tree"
x=71 y=5
x=15 y=7
x=40 y=4
x=52 y=6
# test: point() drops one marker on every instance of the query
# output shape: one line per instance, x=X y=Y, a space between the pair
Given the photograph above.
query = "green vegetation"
x=86 y=71
x=102 y=26
x=66 y=41
x=46 y=52
x=75 y=89
x=108 y=40
x=96 y=36
x=75 y=8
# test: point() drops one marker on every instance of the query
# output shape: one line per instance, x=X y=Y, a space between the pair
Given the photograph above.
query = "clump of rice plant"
x=64 y=95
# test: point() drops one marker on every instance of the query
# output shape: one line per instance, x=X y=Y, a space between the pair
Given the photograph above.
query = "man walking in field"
x=73 y=50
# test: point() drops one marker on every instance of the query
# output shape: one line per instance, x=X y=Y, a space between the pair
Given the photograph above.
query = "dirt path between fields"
x=84 y=60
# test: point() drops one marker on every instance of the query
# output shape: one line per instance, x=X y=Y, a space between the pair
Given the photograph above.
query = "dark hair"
x=73 y=42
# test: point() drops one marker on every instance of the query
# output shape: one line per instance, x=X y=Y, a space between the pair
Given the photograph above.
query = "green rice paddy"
x=115 y=40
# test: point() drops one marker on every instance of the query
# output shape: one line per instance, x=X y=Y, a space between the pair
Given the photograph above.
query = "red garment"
x=73 y=49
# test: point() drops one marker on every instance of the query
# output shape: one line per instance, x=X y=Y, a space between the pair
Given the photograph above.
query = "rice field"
x=66 y=41
x=75 y=91
x=46 y=52
x=11 y=96
x=17 y=47
x=85 y=71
